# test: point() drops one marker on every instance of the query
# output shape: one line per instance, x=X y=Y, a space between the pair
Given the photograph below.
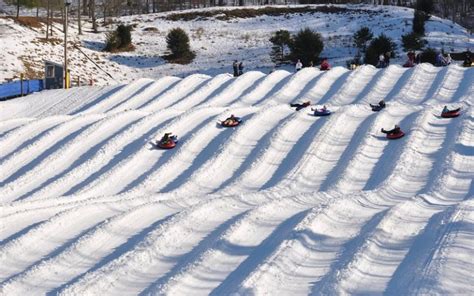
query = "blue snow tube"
x=322 y=112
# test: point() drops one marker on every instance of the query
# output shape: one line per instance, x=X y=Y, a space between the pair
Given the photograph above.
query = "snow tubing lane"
x=451 y=114
x=395 y=136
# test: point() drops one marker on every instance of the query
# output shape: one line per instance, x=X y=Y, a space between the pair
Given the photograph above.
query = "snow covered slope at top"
x=286 y=203
x=216 y=42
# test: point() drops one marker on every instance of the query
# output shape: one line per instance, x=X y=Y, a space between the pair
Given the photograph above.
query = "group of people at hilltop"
x=413 y=59
x=323 y=67
x=440 y=61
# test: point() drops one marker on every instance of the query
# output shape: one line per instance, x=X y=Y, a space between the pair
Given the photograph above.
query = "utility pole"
x=66 y=76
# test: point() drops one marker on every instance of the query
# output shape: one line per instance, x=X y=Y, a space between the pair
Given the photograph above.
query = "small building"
x=53 y=75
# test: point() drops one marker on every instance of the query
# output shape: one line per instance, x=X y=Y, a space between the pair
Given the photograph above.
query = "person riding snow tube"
x=231 y=121
x=300 y=106
x=321 y=112
x=378 y=107
x=168 y=141
x=395 y=133
x=446 y=113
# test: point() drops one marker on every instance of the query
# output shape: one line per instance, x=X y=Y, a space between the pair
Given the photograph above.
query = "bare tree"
x=92 y=12
x=79 y=28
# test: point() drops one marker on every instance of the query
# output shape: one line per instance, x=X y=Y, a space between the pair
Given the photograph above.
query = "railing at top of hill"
x=20 y=88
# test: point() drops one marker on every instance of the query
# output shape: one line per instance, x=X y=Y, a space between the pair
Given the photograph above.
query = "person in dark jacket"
x=301 y=106
x=235 y=66
x=387 y=58
x=395 y=130
x=230 y=120
x=446 y=110
x=166 y=138
x=241 y=68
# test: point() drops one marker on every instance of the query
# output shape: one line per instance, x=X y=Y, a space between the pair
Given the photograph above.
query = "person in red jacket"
x=325 y=65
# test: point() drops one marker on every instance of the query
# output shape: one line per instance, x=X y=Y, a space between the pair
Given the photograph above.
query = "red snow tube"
x=168 y=145
x=395 y=136
x=451 y=114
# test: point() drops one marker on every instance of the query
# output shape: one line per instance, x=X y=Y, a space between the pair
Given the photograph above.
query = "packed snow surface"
x=284 y=204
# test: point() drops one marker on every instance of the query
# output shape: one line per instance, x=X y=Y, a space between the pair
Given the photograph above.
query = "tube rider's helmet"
x=397 y=126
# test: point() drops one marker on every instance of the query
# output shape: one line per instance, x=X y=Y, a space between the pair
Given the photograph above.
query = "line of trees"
x=457 y=10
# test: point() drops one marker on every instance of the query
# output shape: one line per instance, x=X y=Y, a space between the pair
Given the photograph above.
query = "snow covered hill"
x=284 y=204
x=216 y=41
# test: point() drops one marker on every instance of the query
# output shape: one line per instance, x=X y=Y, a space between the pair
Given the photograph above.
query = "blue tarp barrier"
x=14 y=89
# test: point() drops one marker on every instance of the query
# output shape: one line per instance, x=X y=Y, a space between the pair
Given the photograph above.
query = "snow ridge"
x=285 y=203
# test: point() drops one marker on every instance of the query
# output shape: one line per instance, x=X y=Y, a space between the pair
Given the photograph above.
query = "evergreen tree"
x=120 y=39
x=378 y=46
x=178 y=43
x=428 y=56
x=412 y=42
x=306 y=46
x=427 y=6
x=419 y=22
x=280 y=40
x=361 y=37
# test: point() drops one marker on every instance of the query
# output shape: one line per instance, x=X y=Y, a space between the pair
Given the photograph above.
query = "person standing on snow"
x=241 y=68
x=235 y=66
x=298 y=66
x=381 y=63
x=448 y=60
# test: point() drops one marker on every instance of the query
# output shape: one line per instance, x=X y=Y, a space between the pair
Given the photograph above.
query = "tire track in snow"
x=296 y=87
x=371 y=151
x=450 y=266
x=112 y=150
x=246 y=141
x=146 y=181
x=365 y=227
x=178 y=92
x=210 y=89
x=120 y=152
x=240 y=248
x=56 y=162
x=305 y=252
x=49 y=188
x=234 y=90
x=119 y=96
x=152 y=92
x=381 y=84
x=43 y=135
x=286 y=146
x=390 y=242
x=264 y=90
x=354 y=85
x=113 y=235
x=10 y=125
x=145 y=159
x=48 y=237
x=201 y=145
x=326 y=147
x=160 y=251
x=416 y=89
x=28 y=133
x=297 y=133
x=23 y=161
